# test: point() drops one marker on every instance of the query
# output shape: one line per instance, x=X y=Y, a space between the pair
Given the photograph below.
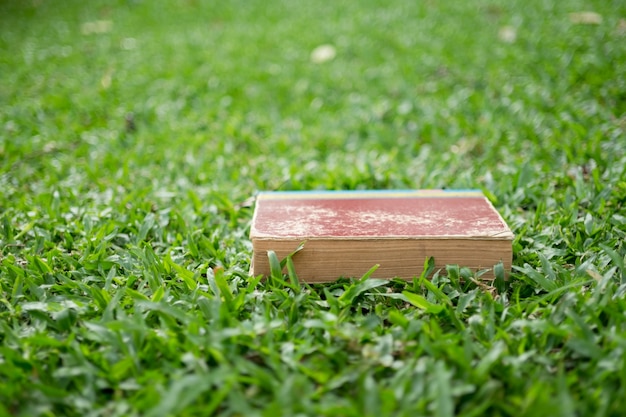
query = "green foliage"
x=133 y=134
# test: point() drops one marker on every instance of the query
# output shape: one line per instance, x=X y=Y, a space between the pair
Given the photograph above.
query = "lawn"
x=133 y=135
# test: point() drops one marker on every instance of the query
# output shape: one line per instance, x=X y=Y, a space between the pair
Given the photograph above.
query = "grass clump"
x=132 y=136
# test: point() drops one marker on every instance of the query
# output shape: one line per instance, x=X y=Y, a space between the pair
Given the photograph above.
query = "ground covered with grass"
x=133 y=134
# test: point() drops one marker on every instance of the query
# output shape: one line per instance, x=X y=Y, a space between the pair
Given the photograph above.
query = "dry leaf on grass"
x=107 y=78
x=585 y=18
x=97 y=26
x=621 y=27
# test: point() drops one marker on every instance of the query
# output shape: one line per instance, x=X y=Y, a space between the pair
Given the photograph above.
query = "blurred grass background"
x=133 y=133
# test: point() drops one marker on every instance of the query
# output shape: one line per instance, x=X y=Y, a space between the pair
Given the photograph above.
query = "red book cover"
x=395 y=229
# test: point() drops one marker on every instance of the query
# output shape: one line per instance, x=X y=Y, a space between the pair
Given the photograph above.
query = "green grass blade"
x=617 y=259
x=276 y=271
x=361 y=286
x=500 y=281
x=422 y=303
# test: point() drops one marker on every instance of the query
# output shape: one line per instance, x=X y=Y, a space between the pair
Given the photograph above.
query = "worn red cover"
x=377 y=214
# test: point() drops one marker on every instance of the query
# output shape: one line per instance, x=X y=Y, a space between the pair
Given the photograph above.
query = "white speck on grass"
x=507 y=34
x=405 y=107
x=323 y=53
x=128 y=44
x=317 y=103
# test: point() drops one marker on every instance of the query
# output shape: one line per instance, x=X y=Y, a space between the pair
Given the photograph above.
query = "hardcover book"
x=346 y=233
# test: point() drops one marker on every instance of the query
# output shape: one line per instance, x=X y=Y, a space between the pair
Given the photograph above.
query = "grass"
x=133 y=134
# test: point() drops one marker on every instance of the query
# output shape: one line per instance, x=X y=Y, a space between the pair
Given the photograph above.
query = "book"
x=346 y=233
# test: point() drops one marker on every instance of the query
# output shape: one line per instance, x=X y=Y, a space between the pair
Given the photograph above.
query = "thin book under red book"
x=346 y=233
